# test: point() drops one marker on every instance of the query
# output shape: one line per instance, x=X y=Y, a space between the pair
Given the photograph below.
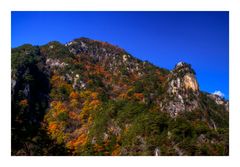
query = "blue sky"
x=163 y=38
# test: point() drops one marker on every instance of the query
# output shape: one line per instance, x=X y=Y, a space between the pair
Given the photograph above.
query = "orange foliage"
x=117 y=150
x=60 y=107
x=53 y=103
x=70 y=144
x=52 y=127
x=77 y=139
x=73 y=115
x=101 y=70
x=23 y=103
x=74 y=95
x=123 y=96
x=80 y=141
x=55 y=79
x=106 y=152
x=89 y=95
x=94 y=103
x=94 y=95
x=98 y=148
x=138 y=96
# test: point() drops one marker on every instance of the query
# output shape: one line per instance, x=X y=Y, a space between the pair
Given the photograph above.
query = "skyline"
x=162 y=38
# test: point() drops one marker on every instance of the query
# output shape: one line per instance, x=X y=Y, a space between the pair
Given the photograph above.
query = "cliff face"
x=89 y=97
x=182 y=89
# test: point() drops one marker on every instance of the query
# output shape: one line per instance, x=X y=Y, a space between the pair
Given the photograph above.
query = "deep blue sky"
x=163 y=38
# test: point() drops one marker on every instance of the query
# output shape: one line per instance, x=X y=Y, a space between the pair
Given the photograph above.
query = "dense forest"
x=89 y=97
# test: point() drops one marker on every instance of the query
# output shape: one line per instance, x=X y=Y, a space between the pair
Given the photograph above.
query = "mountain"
x=89 y=97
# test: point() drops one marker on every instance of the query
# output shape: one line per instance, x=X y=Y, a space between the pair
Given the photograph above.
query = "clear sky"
x=162 y=38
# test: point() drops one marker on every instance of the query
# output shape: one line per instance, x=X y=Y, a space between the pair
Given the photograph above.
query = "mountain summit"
x=89 y=97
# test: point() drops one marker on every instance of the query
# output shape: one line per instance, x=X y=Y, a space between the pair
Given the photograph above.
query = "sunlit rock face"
x=190 y=82
x=183 y=90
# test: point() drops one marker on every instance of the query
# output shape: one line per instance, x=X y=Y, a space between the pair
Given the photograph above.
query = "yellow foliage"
x=117 y=150
x=123 y=96
x=94 y=104
x=90 y=120
x=94 y=95
x=89 y=95
x=53 y=103
x=81 y=140
x=83 y=115
x=74 y=103
x=60 y=107
x=85 y=94
x=55 y=79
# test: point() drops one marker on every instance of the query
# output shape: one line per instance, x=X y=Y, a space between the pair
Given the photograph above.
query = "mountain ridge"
x=88 y=97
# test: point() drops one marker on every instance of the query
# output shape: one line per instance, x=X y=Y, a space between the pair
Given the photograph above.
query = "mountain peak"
x=96 y=49
x=180 y=64
x=184 y=73
x=183 y=67
x=182 y=84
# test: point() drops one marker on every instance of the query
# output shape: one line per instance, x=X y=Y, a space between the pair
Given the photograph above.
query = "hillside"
x=89 y=97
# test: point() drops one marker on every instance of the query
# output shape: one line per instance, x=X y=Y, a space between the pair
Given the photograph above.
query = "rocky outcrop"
x=219 y=100
x=183 y=90
x=55 y=63
x=190 y=82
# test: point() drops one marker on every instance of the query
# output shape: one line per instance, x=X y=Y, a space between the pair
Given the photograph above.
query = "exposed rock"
x=202 y=139
x=69 y=77
x=178 y=150
x=213 y=124
x=75 y=82
x=55 y=63
x=70 y=43
x=219 y=100
x=157 y=152
x=13 y=84
x=190 y=82
x=82 y=84
x=125 y=57
x=94 y=140
x=26 y=90
x=105 y=137
x=183 y=90
x=114 y=129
